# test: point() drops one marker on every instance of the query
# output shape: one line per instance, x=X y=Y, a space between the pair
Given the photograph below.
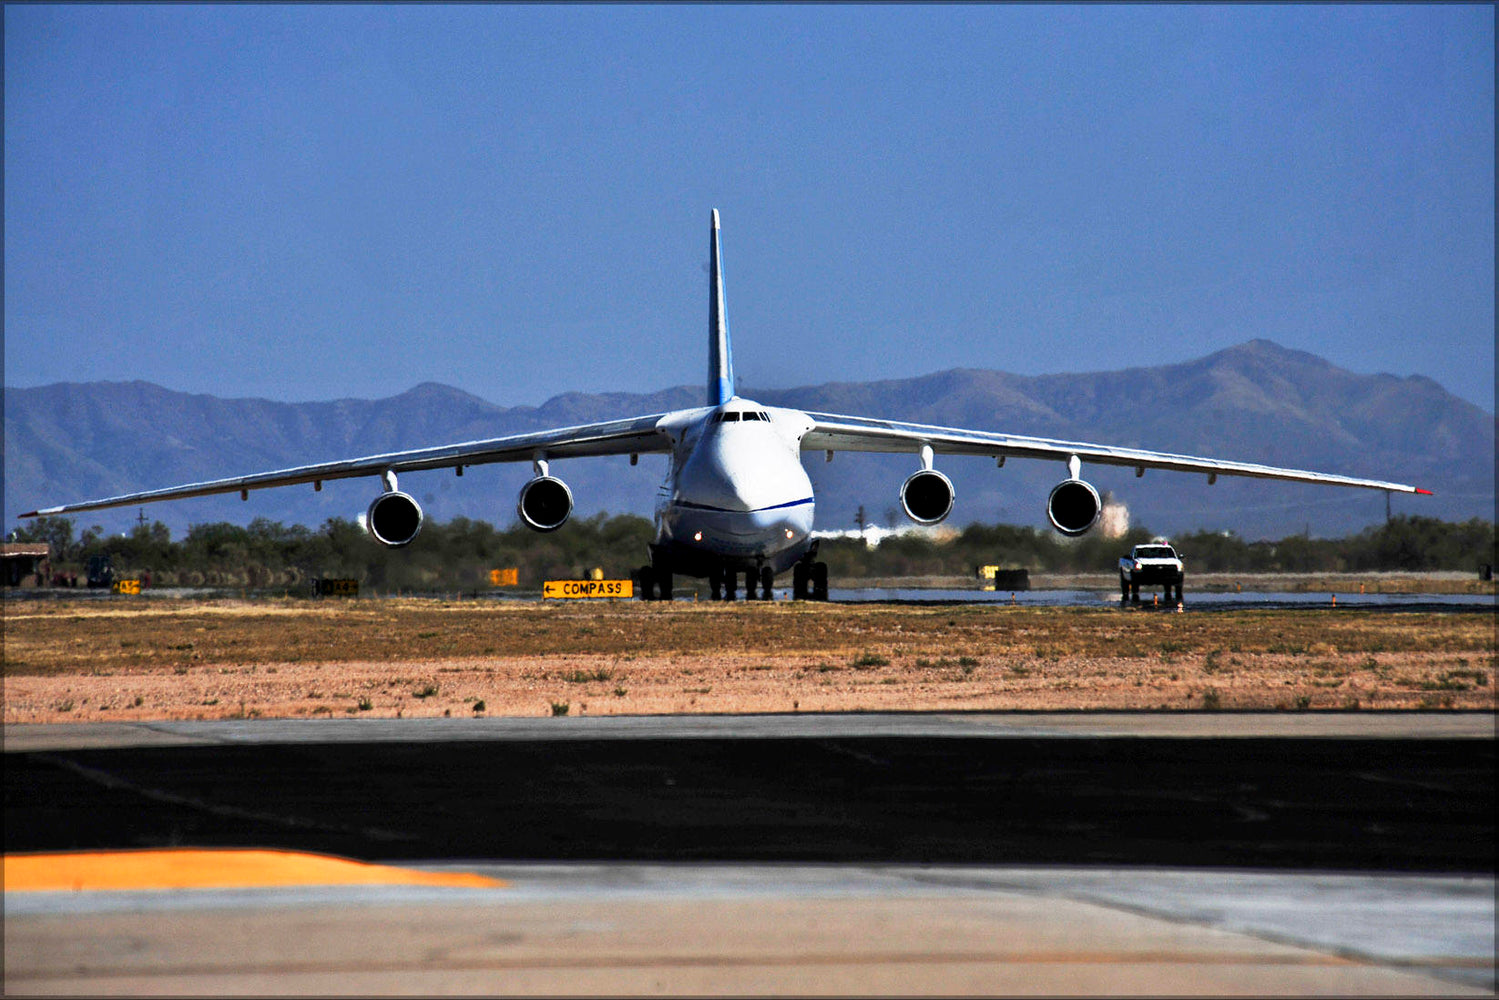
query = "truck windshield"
x=1154 y=552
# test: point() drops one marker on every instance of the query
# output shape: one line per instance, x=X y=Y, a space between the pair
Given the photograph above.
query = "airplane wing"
x=832 y=432
x=637 y=435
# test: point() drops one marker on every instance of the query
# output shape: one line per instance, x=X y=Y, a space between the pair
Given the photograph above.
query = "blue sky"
x=309 y=202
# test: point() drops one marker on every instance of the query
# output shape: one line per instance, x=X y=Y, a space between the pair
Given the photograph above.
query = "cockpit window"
x=750 y=415
x=728 y=417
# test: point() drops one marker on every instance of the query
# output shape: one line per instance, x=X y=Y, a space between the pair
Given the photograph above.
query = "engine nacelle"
x=394 y=518
x=1073 y=507
x=927 y=496
x=545 y=503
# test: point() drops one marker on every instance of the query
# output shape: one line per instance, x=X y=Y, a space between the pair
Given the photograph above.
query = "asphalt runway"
x=1010 y=852
x=1197 y=601
x=1204 y=600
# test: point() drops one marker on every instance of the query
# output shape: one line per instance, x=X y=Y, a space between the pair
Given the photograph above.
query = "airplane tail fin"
x=720 y=356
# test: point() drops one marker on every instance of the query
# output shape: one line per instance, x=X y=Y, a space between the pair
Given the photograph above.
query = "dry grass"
x=144 y=659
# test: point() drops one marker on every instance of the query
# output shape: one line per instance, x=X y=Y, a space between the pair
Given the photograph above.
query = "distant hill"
x=1255 y=402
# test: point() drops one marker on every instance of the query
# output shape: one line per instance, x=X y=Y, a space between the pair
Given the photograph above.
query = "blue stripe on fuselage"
x=689 y=505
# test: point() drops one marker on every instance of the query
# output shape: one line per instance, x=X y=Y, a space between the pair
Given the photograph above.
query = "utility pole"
x=859 y=519
x=140 y=516
x=1386 y=506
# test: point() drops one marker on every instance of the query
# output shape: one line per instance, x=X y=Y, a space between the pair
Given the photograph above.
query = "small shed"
x=22 y=560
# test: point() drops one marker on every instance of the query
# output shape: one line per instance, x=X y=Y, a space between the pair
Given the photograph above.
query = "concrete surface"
x=765 y=929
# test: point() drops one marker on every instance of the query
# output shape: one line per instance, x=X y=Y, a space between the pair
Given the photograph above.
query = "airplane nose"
x=747 y=497
x=750 y=476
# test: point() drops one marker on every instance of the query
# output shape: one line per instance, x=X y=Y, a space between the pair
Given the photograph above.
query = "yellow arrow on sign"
x=588 y=588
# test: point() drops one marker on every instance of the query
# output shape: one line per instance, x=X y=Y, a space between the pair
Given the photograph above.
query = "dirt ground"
x=153 y=658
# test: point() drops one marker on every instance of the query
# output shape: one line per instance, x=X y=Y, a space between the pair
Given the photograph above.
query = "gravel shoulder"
x=139 y=660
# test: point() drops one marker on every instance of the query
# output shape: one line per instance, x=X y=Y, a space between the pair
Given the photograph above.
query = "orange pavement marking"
x=211 y=869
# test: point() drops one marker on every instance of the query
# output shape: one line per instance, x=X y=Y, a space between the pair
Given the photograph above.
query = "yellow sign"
x=588 y=588
x=126 y=587
x=504 y=577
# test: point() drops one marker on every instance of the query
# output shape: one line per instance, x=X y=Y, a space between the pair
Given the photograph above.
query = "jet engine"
x=927 y=496
x=394 y=518
x=1073 y=507
x=545 y=503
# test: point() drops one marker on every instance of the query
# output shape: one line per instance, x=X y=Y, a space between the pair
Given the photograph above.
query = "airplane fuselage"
x=736 y=495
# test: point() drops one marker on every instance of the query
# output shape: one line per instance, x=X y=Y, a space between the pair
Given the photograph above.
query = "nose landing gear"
x=722 y=584
x=809 y=582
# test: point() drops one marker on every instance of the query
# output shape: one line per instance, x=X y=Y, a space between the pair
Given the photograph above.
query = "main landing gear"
x=809 y=581
x=654 y=584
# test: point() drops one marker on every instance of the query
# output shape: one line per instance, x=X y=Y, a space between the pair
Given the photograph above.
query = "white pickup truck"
x=1149 y=566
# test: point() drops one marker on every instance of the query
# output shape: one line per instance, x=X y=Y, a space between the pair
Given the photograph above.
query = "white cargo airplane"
x=736 y=498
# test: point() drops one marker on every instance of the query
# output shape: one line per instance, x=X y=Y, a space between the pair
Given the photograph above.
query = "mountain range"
x=1256 y=402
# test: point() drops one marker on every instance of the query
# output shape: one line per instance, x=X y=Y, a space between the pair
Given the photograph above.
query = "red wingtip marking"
x=1425 y=492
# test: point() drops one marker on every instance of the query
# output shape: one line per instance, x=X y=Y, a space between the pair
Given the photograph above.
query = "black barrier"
x=1273 y=803
x=1012 y=579
x=335 y=588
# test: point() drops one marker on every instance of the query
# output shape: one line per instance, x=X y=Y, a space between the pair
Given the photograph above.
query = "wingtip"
x=45 y=511
x=1425 y=493
x=715 y=218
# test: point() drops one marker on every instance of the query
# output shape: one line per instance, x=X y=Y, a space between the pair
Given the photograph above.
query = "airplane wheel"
x=1134 y=592
x=663 y=585
x=1123 y=589
x=715 y=583
x=767 y=583
x=799 y=582
x=730 y=583
x=647 y=581
x=750 y=579
x=819 y=581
